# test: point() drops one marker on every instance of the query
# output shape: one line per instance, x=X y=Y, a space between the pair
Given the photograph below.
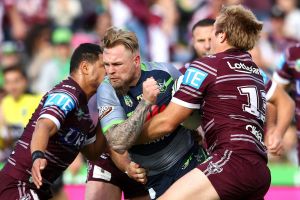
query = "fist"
x=150 y=90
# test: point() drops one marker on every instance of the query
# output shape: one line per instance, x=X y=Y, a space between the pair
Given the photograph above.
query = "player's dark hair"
x=14 y=68
x=85 y=52
x=203 y=23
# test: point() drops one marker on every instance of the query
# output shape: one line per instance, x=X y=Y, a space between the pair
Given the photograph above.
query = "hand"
x=137 y=173
x=274 y=143
x=150 y=90
x=38 y=165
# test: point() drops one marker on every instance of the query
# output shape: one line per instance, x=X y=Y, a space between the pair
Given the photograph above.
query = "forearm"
x=94 y=150
x=122 y=161
x=122 y=136
x=285 y=114
x=43 y=131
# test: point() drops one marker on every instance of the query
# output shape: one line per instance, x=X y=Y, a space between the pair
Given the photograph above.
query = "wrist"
x=37 y=154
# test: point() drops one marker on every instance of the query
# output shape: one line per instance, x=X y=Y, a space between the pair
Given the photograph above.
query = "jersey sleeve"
x=195 y=82
x=270 y=89
x=284 y=73
x=109 y=106
x=57 y=106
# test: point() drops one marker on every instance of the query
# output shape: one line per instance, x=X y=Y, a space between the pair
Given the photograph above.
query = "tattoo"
x=122 y=136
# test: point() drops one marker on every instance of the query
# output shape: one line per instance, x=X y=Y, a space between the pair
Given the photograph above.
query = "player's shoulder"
x=208 y=64
x=292 y=53
x=160 y=66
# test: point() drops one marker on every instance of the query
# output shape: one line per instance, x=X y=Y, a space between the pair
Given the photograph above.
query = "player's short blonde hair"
x=240 y=25
x=115 y=36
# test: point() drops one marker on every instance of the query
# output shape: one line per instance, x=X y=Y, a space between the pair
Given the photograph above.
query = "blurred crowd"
x=37 y=38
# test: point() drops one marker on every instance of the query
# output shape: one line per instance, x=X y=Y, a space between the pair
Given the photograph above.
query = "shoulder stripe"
x=203 y=68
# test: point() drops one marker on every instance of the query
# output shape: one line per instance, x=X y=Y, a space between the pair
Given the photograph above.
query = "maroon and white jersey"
x=289 y=73
x=229 y=89
x=66 y=106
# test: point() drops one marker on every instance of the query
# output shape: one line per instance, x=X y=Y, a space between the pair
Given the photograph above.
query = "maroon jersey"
x=289 y=73
x=229 y=89
x=66 y=106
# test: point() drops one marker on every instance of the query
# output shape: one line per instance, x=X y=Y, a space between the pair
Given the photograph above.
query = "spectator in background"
x=64 y=12
x=9 y=56
x=16 y=107
x=292 y=16
x=273 y=41
x=56 y=68
x=39 y=51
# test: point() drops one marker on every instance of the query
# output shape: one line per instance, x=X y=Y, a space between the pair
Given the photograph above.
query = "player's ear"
x=222 y=36
x=137 y=60
x=84 y=67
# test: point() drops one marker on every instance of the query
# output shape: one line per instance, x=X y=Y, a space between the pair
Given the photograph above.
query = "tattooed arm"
x=122 y=136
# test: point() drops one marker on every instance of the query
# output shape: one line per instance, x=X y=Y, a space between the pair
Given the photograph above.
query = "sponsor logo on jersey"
x=104 y=110
x=194 y=77
x=241 y=67
x=61 y=100
x=139 y=98
x=69 y=86
x=128 y=101
x=258 y=135
x=79 y=114
x=162 y=85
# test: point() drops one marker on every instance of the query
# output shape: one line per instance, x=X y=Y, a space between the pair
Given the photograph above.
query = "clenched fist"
x=150 y=90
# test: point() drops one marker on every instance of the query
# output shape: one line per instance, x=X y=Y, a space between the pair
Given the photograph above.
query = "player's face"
x=15 y=83
x=96 y=72
x=121 y=66
x=202 y=39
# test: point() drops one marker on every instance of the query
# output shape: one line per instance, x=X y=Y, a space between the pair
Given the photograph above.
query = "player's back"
x=232 y=100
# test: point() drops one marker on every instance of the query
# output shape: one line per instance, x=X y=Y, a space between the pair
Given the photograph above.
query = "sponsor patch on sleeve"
x=63 y=101
x=194 y=77
x=104 y=110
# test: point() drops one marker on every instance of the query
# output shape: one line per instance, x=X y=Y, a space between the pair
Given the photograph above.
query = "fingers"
x=137 y=173
x=150 y=90
x=38 y=165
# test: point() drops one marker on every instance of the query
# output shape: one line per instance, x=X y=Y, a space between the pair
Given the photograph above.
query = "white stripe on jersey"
x=227 y=96
x=187 y=92
x=233 y=79
x=24 y=143
x=52 y=118
x=240 y=59
x=271 y=91
x=204 y=69
x=34 y=195
x=240 y=76
x=243 y=118
x=11 y=161
x=279 y=79
x=191 y=89
x=185 y=104
x=203 y=64
x=56 y=159
x=208 y=123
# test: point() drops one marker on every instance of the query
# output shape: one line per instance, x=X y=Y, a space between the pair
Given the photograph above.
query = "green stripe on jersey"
x=113 y=122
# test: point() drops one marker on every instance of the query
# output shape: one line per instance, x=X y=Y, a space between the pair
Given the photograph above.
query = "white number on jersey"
x=253 y=107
